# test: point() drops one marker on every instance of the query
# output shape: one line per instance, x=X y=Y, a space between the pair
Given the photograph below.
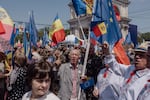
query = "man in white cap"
x=134 y=76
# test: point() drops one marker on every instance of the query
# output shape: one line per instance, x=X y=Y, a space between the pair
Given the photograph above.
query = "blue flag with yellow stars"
x=103 y=11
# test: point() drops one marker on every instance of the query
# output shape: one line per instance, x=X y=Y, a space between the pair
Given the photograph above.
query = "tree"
x=144 y=36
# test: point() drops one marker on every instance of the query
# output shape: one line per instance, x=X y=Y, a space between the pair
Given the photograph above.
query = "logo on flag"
x=99 y=28
x=87 y=84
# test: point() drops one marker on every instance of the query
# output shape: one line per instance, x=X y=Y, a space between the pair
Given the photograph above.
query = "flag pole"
x=81 y=29
x=86 y=55
x=85 y=61
x=80 y=22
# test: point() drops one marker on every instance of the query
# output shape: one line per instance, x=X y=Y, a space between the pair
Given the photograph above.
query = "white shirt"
x=128 y=90
x=107 y=84
x=145 y=93
x=48 y=96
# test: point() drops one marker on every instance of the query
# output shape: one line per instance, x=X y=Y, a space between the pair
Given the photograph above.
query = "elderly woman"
x=16 y=86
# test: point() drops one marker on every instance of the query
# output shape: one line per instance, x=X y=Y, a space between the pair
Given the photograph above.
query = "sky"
x=139 y=13
x=46 y=10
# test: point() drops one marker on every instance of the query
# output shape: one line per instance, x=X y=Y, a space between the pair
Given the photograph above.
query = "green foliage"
x=144 y=36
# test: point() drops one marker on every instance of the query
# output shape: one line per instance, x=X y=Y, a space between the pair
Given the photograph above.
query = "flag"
x=121 y=55
x=32 y=30
x=117 y=12
x=12 y=38
x=2 y=30
x=78 y=41
x=30 y=51
x=87 y=83
x=93 y=41
x=103 y=11
x=82 y=6
x=6 y=23
x=128 y=39
x=133 y=33
x=45 y=39
x=93 y=38
x=25 y=41
x=98 y=28
x=57 y=32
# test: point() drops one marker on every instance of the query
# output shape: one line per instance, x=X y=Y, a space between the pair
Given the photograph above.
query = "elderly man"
x=134 y=76
x=145 y=93
x=69 y=74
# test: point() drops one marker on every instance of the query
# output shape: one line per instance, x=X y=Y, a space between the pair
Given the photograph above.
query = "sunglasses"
x=141 y=55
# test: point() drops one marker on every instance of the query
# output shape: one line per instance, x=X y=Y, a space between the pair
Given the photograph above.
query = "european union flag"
x=87 y=83
x=103 y=11
x=12 y=38
x=25 y=40
x=45 y=39
x=32 y=30
x=79 y=7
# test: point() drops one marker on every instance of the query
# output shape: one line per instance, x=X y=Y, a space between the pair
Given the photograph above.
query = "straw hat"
x=143 y=47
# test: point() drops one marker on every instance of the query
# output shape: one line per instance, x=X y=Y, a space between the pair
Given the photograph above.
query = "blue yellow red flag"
x=98 y=28
x=57 y=32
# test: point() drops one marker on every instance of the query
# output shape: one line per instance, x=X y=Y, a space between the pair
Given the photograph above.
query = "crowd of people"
x=56 y=74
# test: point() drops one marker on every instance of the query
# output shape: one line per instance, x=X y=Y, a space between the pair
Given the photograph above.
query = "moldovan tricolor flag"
x=57 y=32
x=99 y=28
x=6 y=23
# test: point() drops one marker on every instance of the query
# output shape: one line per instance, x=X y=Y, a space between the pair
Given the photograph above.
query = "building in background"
x=121 y=10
